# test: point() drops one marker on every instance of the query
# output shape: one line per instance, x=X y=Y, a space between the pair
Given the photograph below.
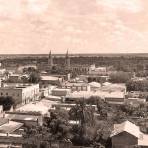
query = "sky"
x=80 y=26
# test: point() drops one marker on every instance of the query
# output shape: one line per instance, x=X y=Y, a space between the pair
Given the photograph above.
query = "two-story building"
x=21 y=93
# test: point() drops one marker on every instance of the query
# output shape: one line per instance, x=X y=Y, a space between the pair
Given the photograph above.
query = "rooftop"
x=95 y=84
x=41 y=106
x=21 y=117
x=131 y=129
x=10 y=127
x=76 y=84
x=49 y=78
x=126 y=127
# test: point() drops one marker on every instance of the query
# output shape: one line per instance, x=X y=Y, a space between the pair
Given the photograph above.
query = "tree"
x=34 y=77
x=58 y=125
x=83 y=133
x=7 y=102
x=120 y=77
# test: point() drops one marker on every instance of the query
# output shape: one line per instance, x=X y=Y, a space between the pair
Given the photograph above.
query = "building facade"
x=22 y=94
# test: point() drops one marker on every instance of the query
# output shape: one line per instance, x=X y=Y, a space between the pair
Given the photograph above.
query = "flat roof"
x=10 y=127
x=75 y=84
x=41 y=106
x=16 y=86
x=3 y=121
x=21 y=117
x=102 y=94
x=49 y=78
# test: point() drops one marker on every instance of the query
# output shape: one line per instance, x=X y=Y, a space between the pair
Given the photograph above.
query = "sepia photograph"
x=73 y=73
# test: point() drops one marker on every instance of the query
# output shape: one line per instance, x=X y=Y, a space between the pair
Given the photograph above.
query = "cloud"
x=133 y=6
x=38 y=6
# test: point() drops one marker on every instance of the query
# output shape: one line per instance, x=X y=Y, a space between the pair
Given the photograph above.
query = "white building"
x=77 y=86
x=97 y=70
x=23 y=94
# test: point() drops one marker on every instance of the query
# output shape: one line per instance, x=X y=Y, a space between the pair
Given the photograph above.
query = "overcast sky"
x=82 y=26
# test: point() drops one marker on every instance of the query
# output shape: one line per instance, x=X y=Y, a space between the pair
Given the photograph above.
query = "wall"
x=124 y=140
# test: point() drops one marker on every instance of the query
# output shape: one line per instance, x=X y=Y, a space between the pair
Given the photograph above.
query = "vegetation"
x=137 y=85
x=120 y=77
x=7 y=102
x=34 y=77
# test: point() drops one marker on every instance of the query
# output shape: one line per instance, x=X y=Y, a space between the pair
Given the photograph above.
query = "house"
x=76 y=86
x=22 y=93
x=128 y=135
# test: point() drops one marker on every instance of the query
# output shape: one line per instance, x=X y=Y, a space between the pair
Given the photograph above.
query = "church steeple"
x=50 y=60
x=67 y=60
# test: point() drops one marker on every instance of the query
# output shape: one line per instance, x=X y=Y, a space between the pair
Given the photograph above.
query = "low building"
x=115 y=98
x=22 y=93
x=27 y=118
x=50 y=80
x=114 y=87
x=128 y=135
x=11 y=132
x=76 y=86
x=94 y=86
x=53 y=98
x=14 y=78
x=60 y=92
x=41 y=106
x=135 y=101
x=45 y=92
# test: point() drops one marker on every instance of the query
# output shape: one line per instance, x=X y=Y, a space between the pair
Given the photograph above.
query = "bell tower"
x=67 y=60
x=50 y=60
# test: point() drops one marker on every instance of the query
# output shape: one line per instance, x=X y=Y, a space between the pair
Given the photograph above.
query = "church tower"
x=67 y=60
x=50 y=60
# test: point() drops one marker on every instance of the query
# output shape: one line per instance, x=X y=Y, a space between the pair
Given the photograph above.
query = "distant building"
x=23 y=94
x=93 y=70
x=76 y=86
x=128 y=135
x=50 y=80
x=60 y=92
x=80 y=69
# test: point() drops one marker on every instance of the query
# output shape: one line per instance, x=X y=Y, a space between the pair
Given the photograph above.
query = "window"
x=6 y=94
x=1 y=94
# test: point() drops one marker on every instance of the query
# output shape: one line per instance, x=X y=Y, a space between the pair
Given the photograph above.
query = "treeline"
x=137 y=85
x=120 y=63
